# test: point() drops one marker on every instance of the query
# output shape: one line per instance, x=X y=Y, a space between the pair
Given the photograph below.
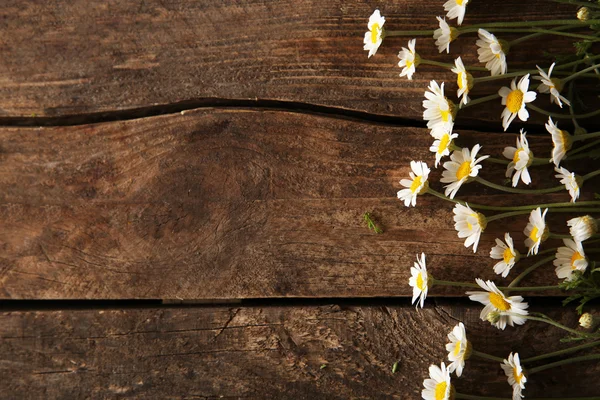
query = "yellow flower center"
x=534 y=234
x=375 y=29
x=459 y=80
x=575 y=257
x=440 y=390
x=459 y=2
x=498 y=301
x=566 y=141
x=409 y=63
x=464 y=170
x=420 y=283
x=514 y=100
x=516 y=156
x=445 y=115
x=457 y=348
x=415 y=184
x=517 y=376
x=507 y=255
x=444 y=142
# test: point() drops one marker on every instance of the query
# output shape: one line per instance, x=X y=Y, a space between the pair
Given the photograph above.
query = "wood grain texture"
x=97 y=56
x=264 y=353
x=234 y=204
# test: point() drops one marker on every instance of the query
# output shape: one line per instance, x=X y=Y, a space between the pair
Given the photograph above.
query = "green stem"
x=476 y=286
x=590 y=175
x=580 y=149
x=472 y=397
x=506 y=215
x=486 y=356
x=518 y=191
x=587 y=135
x=536 y=160
x=553 y=323
x=482 y=100
x=541 y=32
x=563 y=116
x=450 y=66
x=561 y=352
x=517 y=24
x=523 y=274
x=557 y=236
x=577 y=62
x=577 y=3
x=409 y=33
x=583 y=71
x=564 y=362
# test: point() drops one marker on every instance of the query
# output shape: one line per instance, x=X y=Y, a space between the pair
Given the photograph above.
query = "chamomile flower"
x=536 y=230
x=561 y=140
x=521 y=157
x=374 y=36
x=515 y=375
x=571 y=181
x=439 y=111
x=456 y=9
x=552 y=86
x=469 y=224
x=417 y=184
x=515 y=98
x=570 y=258
x=409 y=60
x=438 y=385
x=464 y=81
x=507 y=310
x=582 y=228
x=462 y=167
x=491 y=52
x=506 y=253
x=444 y=35
x=444 y=139
x=420 y=281
x=459 y=349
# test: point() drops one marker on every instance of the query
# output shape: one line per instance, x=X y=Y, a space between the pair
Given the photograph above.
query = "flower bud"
x=493 y=317
x=586 y=321
x=583 y=14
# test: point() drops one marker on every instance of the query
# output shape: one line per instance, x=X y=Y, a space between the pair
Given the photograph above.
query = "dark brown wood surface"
x=265 y=352
x=85 y=56
x=233 y=204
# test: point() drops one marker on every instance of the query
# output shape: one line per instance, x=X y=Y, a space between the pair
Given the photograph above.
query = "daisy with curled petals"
x=420 y=281
x=571 y=181
x=469 y=224
x=521 y=158
x=582 y=228
x=438 y=386
x=536 y=230
x=491 y=53
x=464 y=81
x=515 y=375
x=561 y=140
x=417 y=184
x=570 y=258
x=444 y=140
x=438 y=109
x=374 y=36
x=409 y=59
x=456 y=9
x=515 y=98
x=506 y=253
x=459 y=349
x=552 y=86
x=444 y=35
x=462 y=167
x=507 y=310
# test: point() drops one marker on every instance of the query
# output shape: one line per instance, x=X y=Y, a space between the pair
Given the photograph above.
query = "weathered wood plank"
x=232 y=204
x=260 y=353
x=97 y=56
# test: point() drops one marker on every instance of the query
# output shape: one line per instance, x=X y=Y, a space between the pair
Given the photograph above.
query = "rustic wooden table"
x=181 y=191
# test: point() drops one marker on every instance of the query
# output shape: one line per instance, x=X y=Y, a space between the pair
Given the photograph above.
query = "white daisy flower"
x=521 y=157
x=444 y=35
x=438 y=385
x=444 y=139
x=417 y=184
x=462 y=168
x=374 y=36
x=491 y=52
x=571 y=181
x=464 y=80
x=570 y=258
x=515 y=98
x=469 y=224
x=420 y=280
x=506 y=253
x=409 y=60
x=536 y=230
x=438 y=109
x=561 y=140
x=508 y=310
x=515 y=375
x=582 y=228
x=456 y=9
x=459 y=349
x=552 y=86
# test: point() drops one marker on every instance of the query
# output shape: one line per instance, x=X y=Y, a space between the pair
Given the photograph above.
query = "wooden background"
x=182 y=186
